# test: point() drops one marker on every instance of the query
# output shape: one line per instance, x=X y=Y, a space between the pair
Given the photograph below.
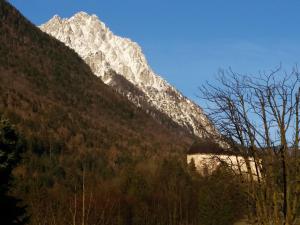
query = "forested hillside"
x=52 y=95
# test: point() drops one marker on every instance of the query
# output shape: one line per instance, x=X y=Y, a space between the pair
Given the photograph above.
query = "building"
x=209 y=156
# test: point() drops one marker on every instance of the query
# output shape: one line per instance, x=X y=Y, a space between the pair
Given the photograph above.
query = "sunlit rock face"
x=105 y=52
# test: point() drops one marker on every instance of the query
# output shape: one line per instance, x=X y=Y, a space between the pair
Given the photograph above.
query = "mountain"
x=90 y=155
x=105 y=52
x=57 y=103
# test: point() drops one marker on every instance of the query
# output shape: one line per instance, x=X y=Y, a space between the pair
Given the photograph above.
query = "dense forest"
x=88 y=190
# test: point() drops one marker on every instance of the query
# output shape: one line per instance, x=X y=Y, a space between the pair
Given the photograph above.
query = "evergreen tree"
x=10 y=149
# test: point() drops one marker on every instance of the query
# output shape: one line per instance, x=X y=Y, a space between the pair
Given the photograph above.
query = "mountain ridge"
x=104 y=51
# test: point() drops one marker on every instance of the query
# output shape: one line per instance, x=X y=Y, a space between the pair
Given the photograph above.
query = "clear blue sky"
x=186 y=42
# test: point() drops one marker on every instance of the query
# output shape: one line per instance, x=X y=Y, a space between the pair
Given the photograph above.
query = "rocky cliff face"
x=111 y=56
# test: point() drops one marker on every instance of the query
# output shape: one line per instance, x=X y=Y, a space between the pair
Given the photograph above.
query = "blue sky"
x=187 y=42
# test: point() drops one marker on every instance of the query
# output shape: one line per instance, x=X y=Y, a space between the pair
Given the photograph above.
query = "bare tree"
x=258 y=116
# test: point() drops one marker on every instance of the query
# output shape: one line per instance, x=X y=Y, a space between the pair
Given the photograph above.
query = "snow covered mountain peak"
x=104 y=52
x=81 y=14
x=55 y=19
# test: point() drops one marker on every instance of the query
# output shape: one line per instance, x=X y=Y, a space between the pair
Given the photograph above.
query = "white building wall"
x=210 y=162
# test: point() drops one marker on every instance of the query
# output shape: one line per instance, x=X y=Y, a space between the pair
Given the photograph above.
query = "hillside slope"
x=49 y=92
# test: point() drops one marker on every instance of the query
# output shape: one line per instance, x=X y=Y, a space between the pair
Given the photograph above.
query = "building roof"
x=208 y=147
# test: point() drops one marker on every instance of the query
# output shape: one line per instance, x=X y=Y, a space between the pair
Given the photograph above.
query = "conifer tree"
x=10 y=148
